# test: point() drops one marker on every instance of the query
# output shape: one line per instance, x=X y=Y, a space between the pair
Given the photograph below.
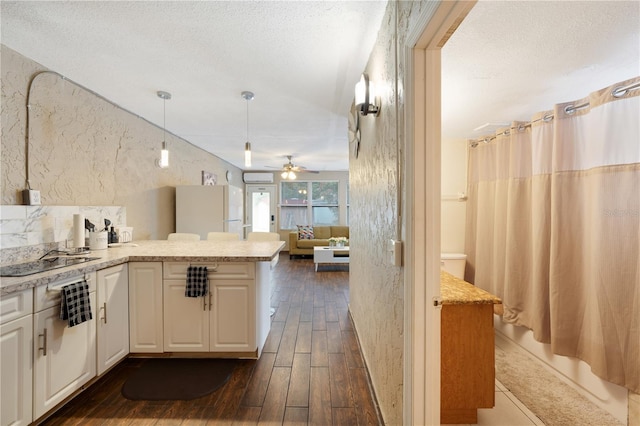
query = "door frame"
x=273 y=227
x=422 y=56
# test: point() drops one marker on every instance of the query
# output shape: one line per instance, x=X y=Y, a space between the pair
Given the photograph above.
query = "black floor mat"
x=177 y=378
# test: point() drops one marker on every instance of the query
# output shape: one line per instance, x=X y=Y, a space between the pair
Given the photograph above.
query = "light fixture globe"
x=163 y=163
x=247 y=154
x=288 y=175
x=365 y=97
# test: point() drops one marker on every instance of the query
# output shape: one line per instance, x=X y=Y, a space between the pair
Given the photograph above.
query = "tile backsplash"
x=29 y=231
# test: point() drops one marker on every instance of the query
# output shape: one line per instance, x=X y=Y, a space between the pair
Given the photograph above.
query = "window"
x=304 y=203
x=324 y=204
x=293 y=204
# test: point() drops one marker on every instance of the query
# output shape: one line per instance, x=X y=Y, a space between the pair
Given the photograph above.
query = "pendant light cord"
x=247 y=119
x=164 y=96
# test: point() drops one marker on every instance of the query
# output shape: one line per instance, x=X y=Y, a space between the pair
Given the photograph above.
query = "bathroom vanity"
x=468 y=351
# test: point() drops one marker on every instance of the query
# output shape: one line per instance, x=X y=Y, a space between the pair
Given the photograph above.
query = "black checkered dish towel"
x=75 y=306
x=197 y=280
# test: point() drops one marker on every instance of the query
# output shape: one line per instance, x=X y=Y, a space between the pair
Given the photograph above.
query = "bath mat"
x=177 y=378
x=553 y=401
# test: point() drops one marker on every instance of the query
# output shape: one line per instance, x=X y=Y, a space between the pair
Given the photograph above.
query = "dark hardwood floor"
x=310 y=372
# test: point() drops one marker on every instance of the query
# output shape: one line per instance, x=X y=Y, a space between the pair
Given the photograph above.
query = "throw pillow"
x=305 y=232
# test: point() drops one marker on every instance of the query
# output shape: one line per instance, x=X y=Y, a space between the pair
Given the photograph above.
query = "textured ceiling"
x=510 y=59
x=302 y=59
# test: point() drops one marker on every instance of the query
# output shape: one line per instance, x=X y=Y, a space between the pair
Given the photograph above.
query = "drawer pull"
x=57 y=288
x=44 y=341
x=104 y=310
x=210 y=268
x=210 y=296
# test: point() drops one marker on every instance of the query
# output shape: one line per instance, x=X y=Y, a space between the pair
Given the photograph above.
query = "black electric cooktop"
x=37 y=266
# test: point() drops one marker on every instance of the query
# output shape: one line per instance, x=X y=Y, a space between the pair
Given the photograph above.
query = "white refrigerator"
x=201 y=209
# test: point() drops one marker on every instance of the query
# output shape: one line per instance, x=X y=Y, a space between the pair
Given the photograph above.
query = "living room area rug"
x=177 y=378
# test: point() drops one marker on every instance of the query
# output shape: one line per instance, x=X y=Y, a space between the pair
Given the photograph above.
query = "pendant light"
x=164 y=153
x=247 y=96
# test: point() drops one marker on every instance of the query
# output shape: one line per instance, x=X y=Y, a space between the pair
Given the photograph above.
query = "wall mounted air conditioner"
x=258 y=177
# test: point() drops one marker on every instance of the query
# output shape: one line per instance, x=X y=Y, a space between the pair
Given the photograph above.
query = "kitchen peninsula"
x=232 y=320
x=138 y=306
x=153 y=251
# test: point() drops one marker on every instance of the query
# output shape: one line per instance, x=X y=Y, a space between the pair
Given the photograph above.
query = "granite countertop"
x=152 y=251
x=455 y=291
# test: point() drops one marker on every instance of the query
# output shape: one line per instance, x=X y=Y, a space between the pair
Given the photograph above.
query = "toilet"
x=454 y=263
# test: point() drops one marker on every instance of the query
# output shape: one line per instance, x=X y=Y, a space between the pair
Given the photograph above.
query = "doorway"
x=423 y=173
x=261 y=208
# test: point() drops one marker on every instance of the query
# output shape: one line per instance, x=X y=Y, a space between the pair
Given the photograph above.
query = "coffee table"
x=326 y=254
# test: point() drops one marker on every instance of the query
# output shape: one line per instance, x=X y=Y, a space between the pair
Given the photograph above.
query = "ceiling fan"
x=289 y=169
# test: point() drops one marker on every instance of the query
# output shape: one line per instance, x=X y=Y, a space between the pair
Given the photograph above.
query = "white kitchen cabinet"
x=113 y=316
x=222 y=321
x=145 y=307
x=233 y=316
x=64 y=357
x=186 y=319
x=16 y=367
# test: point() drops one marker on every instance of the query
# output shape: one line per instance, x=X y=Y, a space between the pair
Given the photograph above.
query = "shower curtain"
x=553 y=228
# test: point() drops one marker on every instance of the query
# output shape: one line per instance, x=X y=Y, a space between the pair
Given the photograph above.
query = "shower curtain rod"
x=617 y=92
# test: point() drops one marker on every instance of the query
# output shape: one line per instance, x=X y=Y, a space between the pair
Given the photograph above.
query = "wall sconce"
x=163 y=163
x=366 y=97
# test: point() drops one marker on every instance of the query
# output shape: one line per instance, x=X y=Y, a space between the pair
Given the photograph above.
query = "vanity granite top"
x=153 y=251
x=455 y=291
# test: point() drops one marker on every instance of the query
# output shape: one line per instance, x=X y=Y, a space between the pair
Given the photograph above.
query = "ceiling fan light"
x=292 y=176
x=284 y=175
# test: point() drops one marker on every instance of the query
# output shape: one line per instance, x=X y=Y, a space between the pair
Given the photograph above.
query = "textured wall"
x=376 y=287
x=86 y=151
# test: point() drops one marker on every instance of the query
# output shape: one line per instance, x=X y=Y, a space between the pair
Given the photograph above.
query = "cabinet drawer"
x=16 y=305
x=45 y=297
x=217 y=270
